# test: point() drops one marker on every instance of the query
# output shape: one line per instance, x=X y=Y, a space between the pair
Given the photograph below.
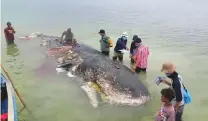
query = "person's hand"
x=10 y=31
x=130 y=55
x=175 y=108
x=134 y=66
x=159 y=113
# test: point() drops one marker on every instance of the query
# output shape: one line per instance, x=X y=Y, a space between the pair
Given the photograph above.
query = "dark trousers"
x=179 y=113
x=118 y=55
x=138 y=70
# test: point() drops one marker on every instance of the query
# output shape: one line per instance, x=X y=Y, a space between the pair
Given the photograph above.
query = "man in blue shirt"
x=120 y=45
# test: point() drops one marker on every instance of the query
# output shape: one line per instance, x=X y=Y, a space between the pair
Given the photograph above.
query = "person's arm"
x=165 y=81
x=62 y=35
x=136 y=56
x=147 y=51
x=178 y=94
x=13 y=30
x=125 y=42
x=132 y=48
x=5 y=33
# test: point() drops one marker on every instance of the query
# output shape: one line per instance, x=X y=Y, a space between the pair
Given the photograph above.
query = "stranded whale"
x=116 y=81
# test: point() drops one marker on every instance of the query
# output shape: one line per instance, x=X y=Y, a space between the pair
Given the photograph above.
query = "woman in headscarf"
x=133 y=48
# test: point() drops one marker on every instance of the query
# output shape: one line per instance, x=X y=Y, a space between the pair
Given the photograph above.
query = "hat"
x=124 y=34
x=168 y=67
x=102 y=31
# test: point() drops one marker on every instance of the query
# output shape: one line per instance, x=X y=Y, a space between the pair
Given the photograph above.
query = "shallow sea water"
x=173 y=30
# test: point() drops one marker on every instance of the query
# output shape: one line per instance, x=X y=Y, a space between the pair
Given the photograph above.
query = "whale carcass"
x=114 y=80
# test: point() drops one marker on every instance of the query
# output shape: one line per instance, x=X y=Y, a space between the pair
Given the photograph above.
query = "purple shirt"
x=166 y=113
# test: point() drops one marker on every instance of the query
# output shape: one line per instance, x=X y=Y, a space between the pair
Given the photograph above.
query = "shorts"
x=105 y=53
x=138 y=69
x=117 y=55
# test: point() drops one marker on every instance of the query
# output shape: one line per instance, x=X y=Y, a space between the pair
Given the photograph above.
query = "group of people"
x=138 y=51
x=172 y=97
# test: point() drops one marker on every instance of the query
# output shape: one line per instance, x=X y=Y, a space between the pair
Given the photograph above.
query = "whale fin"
x=91 y=93
x=98 y=89
x=69 y=74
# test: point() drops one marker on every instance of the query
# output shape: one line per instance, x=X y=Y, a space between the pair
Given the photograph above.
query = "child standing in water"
x=167 y=112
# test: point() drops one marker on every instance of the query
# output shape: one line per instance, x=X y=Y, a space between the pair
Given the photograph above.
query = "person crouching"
x=120 y=45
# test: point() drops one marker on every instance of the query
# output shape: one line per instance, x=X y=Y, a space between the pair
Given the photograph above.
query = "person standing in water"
x=120 y=45
x=133 y=48
x=141 y=56
x=177 y=85
x=166 y=112
x=9 y=33
x=105 y=42
x=69 y=37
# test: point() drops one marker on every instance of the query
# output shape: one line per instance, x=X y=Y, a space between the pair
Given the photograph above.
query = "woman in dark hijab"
x=132 y=48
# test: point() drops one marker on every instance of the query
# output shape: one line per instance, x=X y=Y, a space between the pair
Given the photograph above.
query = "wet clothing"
x=138 y=69
x=167 y=113
x=118 y=55
x=9 y=35
x=105 y=53
x=105 y=44
x=69 y=36
x=120 y=45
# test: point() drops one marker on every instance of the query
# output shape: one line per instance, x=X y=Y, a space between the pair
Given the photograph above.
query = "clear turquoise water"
x=174 y=30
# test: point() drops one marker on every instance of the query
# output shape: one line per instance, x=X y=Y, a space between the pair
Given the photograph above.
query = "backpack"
x=111 y=42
